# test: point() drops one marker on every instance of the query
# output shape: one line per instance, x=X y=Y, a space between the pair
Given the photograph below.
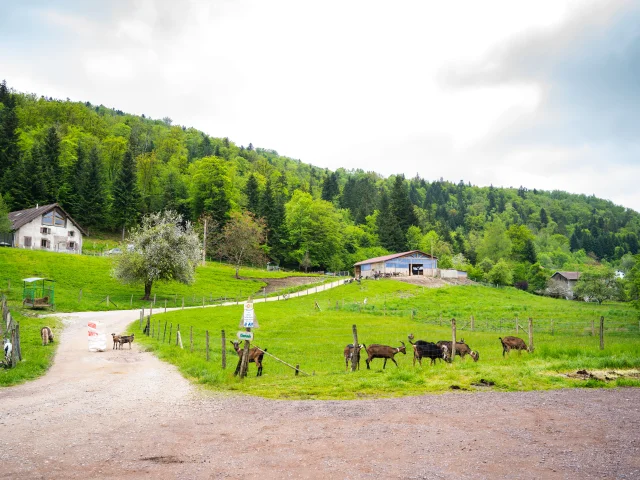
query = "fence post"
x=154 y=298
x=601 y=333
x=107 y=302
x=297 y=369
x=473 y=323
x=165 y=326
x=177 y=334
x=148 y=325
x=517 y=327
x=531 y=347
x=164 y=335
x=207 y=339
x=191 y=338
x=453 y=339
x=593 y=328
x=202 y=302
x=245 y=358
x=16 y=345
x=131 y=302
x=356 y=352
x=224 y=350
x=153 y=331
x=170 y=330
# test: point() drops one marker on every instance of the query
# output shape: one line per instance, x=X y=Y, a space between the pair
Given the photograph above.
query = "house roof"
x=390 y=257
x=22 y=217
x=568 y=275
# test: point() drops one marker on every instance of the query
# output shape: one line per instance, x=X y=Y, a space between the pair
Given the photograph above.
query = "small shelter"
x=38 y=292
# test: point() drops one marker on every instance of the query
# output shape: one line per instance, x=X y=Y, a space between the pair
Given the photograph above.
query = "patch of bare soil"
x=432 y=282
x=278 y=284
x=604 y=375
x=124 y=414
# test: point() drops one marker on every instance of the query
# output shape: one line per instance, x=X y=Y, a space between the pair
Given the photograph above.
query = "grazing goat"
x=126 y=339
x=422 y=349
x=509 y=343
x=7 y=351
x=255 y=355
x=383 y=351
x=348 y=355
x=462 y=349
x=47 y=335
x=116 y=341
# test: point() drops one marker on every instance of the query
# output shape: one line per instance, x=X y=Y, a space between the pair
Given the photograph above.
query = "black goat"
x=383 y=351
x=255 y=356
x=422 y=349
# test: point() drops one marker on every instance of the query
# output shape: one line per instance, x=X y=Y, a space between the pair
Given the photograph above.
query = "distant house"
x=46 y=227
x=413 y=262
x=569 y=279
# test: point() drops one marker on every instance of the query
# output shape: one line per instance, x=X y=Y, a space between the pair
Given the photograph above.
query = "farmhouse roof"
x=568 y=275
x=391 y=257
x=22 y=217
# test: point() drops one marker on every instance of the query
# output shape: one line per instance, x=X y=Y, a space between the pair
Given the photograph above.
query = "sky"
x=543 y=94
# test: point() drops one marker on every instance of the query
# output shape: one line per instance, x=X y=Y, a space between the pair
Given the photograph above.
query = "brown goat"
x=462 y=349
x=383 y=351
x=512 y=343
x=47 y=335
x=348 y=355
x=255 y=356
x=116 y=341
x=126 y=339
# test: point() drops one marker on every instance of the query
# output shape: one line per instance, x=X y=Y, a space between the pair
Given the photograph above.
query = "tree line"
x=108 y=169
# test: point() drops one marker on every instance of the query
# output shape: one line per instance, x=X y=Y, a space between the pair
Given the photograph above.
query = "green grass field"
x=83 y=282
x=296 y=332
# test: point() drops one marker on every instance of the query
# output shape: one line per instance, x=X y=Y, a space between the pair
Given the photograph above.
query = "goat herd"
x=422 y=349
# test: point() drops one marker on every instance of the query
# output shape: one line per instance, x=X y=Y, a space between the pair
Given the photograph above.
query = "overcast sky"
x=544 y=94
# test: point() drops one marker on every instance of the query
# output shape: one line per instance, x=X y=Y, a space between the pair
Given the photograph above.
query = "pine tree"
x=35 y=167
x=401 y=206
x=126 y=198
x=391 y=236
x=273 y=211
x=9 y=150
x=330 y=188
x=5 y=223
x=93 y=202
x=19 y=187
x=544 y=220
x=529 y=252
x=51 y=164
x=253 y=195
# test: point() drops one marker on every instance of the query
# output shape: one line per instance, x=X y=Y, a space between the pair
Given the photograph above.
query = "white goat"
x=7 y=350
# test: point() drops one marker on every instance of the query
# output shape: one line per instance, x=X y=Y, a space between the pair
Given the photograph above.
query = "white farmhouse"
x=46 y=227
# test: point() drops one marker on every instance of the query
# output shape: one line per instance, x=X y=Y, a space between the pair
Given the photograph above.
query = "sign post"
x=248 y=321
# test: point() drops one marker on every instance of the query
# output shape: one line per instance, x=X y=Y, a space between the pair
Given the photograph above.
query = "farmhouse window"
x=45 y=230
x=59 y=220
x=27 y=241
x=71 y=233
x=71 y=245
x=47 y=218
x=44 y=243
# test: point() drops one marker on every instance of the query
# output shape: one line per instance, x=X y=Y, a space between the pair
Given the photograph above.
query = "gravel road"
x=125 y=414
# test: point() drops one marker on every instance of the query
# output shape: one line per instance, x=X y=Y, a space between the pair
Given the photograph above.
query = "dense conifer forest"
x=108 y=168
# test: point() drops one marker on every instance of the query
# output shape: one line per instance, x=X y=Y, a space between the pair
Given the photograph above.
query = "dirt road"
x=125 y=414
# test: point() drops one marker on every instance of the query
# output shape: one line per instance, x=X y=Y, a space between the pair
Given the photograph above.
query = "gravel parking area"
x=125 y=414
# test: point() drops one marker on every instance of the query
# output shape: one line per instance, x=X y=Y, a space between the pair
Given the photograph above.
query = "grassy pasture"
x=92 y=275
x=295 y=331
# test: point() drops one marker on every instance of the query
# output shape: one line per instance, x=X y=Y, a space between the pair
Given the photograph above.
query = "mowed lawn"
x=83 y=282
x=313 y=331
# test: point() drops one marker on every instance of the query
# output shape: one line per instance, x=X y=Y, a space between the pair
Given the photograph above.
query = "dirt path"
x=125 y=414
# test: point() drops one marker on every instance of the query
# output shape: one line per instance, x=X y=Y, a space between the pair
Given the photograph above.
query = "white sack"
x=97 y=337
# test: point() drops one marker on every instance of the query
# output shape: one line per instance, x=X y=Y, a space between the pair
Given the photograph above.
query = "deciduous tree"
x=242 y=240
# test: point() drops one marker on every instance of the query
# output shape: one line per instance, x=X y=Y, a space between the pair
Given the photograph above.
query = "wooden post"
x=150 y=310
x=16 y=345
x=224 y=350
x=453 y=339
x=165 y=326
x=531 y=347
x=179 y=340
x=154 y=298
x=191 y=338
x=141 y=315
x=131 y=302
x=245 y=358
x=164 y=335
x=107 y=302
x=177 y=334
x=354 y=357
x=207 y=340
x=148 y=325
x=202 y=302
x=153 y=331
x=473 y=323
x=593 y=328
x=170 y=329
x=601 y=333
x=297 y=369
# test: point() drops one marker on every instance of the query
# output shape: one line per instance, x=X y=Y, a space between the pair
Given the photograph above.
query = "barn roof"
x=391 y=257
x=568 y=275
x=22 y=217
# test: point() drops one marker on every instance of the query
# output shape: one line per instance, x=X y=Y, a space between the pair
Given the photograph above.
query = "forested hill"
x=107 y=168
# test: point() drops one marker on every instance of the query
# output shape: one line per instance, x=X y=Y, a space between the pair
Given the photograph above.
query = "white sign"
x=245 y=336
x=249 y=319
